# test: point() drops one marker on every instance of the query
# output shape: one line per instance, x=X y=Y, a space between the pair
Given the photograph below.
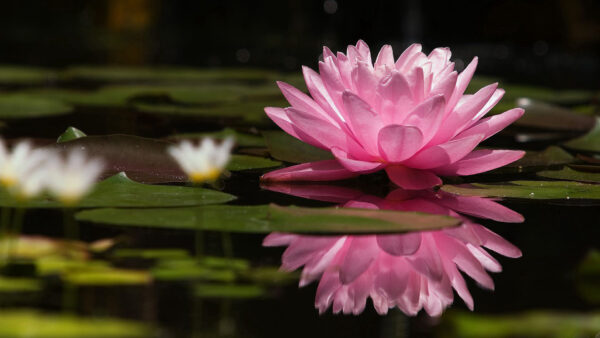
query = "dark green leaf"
x=10 y=74
x=234 y=291
x=13 y=106
x=265 y=219
x=547 y=116
x=535 y=160
x=529 y=190
x=70 y=134
x=588 y=142
x=245 y=162
x=571 y=175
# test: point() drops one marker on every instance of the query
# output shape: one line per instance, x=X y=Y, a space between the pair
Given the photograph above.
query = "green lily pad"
x=571 y=175
x=105 y=276
x=165 y=74
x=529 y=190
x=230 y=291
x=120 y=191
x=71 y=133
x=35 y=324
x=10 y=74
x=151 y=253
x=14 y=106
x=241 y=139
x=10 y=285
x=265 y=219
x=588 y=142
x=246 y=162
x=287 y=148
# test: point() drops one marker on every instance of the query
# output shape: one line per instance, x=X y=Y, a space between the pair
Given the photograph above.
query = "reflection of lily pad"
x=571 y=175
x=587 y=142
x=120 y=191
x=26 y=106
x=106 y=276
x=264 y=219
x=588 y=277
x=31 y=323
x=531 y=324
x=289 y=149
x=232 y=291
x=10 y=285
x=529 y=190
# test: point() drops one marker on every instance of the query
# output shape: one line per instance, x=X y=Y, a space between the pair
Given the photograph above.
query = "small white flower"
x=204 y=162
x=18 y=164
x=73 y=177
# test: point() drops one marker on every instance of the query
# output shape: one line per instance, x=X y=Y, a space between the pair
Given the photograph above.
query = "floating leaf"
x=14 y=106
x=588 y=142
x=289 y=149
x=529 y=190
x=234 y=291
x=70 y=134
x=265 y=219
x=241 y=139
x=530 y=324
x=11 y=74
x=547 y=116
x=245 y=162
x=10 y=285
x=150 y=253
x=120 y=191
x=105 y=276
x=189 y=269
x=34 y=324
x=571 y=175
x=33 y=247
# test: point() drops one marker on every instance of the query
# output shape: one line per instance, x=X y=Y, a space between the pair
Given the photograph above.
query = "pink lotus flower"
x=409 y=116
x=410 y=271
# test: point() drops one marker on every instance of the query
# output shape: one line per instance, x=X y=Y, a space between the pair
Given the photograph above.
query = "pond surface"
x=155 y=256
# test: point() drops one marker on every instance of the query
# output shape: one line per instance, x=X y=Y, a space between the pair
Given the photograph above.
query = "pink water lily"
x=409 y=116
x=411 y=271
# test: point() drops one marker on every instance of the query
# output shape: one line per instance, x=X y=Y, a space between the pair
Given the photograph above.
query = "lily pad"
x=10 y=285
x=120 y=191
x=245 y=162
x=534 y=160
x=269 y=218
x=287 y=148
x=529 y=190
x=106 y=276
x=34 y=324
x=530 y=324
x=571 y=175
x=588 y=142
x=14 y=106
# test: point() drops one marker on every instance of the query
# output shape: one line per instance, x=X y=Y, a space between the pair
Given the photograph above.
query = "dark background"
x=554 y=43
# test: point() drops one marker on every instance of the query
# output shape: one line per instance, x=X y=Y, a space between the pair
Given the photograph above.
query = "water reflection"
x=411 y=271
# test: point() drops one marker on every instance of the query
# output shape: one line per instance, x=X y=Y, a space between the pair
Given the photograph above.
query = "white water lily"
x=71 y=178
x=203 y=162
x=18 y=164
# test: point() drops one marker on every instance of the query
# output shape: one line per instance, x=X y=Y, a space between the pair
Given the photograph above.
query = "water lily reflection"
x=411 y=271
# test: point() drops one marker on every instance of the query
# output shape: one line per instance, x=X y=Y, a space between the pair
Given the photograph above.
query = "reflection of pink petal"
x=400 y=245
x=412 y=179
x=313 y=171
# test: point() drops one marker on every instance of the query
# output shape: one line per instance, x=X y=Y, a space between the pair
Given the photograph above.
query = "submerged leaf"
x=286 y=148
x=529 y=190
x=265 y=219
x=571 y=175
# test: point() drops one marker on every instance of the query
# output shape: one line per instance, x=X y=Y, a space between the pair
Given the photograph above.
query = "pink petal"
x=427 y=116
x=363 y=50
x=495 y=242
x=385 y=57
x=444 y=154
x=328 y=53
x=403 y=59
x=319 y=192
x=278 y=239
x=279 y=116
x=314 y=130
x=397 y=143
x=361 y=253
x=493 y=124
x=445 y=87
x=489 y=263
x=327 y=170
x=439 y=58
x=400 y=245
x=394 y=96
x=332 y=80
x=319 y=93
x=365 y=81
x=304 y=249
x=301 y=101
x=364 y=122
x=458 y=282
x=480 y=207
x=427 y=259
x=465 y=261
x=480 y=161
x=462 y=82
x=355 y=165
x=412 y=179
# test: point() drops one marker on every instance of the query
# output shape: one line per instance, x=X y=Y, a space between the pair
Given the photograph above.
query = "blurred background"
x=552 y=43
